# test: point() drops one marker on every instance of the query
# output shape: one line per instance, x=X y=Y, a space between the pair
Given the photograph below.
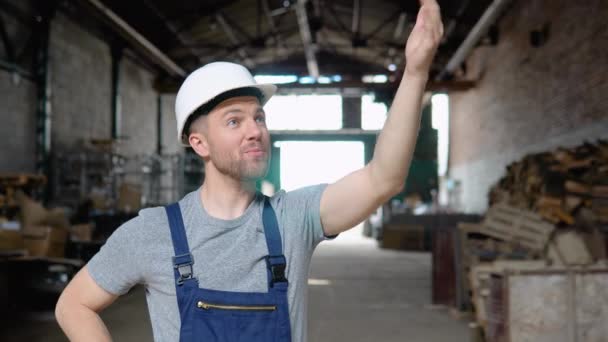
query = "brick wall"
x=80 y=78
x=530 y=99
x=169 y=125
x=80 y=68
x=18 y=109
x=18 y=124
x=139 y=109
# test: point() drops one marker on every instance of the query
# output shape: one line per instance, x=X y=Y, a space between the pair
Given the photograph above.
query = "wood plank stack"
x=567 y=187
x=10 y=183
x=549 y=215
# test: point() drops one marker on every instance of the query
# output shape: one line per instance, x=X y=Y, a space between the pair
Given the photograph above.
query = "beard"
x=247 y=169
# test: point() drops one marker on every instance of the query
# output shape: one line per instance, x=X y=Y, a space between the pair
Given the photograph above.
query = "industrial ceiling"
x=349 y=38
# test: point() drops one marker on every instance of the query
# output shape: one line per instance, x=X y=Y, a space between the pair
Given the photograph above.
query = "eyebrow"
x=239 y=110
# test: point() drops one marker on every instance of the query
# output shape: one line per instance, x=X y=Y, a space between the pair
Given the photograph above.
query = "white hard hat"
x=209 y=81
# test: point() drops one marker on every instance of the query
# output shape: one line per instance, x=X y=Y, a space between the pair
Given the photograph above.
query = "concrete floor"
x=375 y=295
x=358 y=292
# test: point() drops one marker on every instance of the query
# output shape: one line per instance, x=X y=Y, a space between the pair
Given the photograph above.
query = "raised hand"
x=424 y=39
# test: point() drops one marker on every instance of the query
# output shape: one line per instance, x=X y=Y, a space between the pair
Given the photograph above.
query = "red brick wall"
x=530 y=99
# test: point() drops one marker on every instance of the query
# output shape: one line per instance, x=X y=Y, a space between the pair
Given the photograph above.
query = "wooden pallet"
x=21 y=179
x=516 y=225
x=480 y=278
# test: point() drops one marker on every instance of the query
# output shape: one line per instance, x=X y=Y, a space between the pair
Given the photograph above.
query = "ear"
x=199 y=144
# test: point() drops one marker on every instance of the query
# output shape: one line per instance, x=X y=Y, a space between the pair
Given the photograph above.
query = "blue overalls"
x=211 y=315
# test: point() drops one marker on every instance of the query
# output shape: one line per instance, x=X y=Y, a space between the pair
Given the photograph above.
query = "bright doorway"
x=306 y=163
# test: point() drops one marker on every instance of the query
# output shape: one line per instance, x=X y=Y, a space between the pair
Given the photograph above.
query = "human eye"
x=232 y=122
x=260 y=116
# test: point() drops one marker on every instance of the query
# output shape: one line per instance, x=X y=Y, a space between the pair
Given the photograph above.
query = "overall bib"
x=211 y=315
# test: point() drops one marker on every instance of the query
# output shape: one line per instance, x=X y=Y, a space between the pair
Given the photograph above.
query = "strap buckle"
x=183 y=264
x=276 y=266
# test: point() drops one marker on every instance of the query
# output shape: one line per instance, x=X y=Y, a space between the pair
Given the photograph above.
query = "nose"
x=254 y=131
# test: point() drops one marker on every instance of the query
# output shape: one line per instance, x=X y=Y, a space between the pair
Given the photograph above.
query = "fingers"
x=437 y=25
x=427 y=2
x=429 y=17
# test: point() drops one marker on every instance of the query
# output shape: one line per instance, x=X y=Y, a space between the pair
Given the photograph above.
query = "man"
x=227 y=263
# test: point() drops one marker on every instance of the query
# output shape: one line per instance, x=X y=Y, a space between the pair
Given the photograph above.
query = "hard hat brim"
x=267 y=90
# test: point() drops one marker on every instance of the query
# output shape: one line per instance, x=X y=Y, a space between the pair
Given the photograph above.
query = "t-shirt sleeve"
x=307 y=202
x=116 y=267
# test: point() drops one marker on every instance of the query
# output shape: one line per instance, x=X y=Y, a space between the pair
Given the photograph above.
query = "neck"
x=224 y=197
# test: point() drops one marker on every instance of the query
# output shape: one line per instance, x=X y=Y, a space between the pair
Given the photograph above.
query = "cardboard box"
x=129 y=198
x=81 y=232
x=34 y=214
x=10 y=239
x=45 y=241
x=403 y=237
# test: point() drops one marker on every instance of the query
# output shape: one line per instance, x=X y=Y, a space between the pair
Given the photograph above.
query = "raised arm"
x=354 y=197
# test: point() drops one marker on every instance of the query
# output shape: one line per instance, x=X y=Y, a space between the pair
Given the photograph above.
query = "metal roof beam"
x=365 y=87
x=356 y=17
x=234 y=39
x=273 y=29
x=185 y=41
x=137 y=39
x=309 y=48
x=400 y=26
x=389 y=19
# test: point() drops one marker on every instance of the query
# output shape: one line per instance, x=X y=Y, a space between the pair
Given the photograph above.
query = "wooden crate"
x=561 y=305
x=403 y=237
x=480 y=282
x=518 y=226
x=463 y=264
x=473 y=247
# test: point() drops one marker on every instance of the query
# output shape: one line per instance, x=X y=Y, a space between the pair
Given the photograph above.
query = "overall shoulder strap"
x=182 y=261
x=275 y=261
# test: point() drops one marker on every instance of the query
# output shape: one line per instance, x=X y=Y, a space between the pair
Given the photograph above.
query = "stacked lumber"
x=549 y=213
x=567 y=187
x=10 y=183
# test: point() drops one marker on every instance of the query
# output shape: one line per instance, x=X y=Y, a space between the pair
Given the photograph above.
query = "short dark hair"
x=209 y=105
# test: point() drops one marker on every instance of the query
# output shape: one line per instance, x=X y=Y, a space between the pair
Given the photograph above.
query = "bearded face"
x=238 y=142
x=249 y=162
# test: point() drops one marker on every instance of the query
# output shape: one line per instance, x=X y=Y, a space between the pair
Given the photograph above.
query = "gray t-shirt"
x=228 y=255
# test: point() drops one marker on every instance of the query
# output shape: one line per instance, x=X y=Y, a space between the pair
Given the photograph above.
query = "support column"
x=116 y=50
x=46 y=12
x=159 y=124
x=351 y=111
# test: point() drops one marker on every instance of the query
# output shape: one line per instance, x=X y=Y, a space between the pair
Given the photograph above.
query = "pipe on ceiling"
x=477 y=32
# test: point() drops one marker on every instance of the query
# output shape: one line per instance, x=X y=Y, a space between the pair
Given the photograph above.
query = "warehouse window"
x=373 y=114
x=313 y=162
x=276 y=79
x=441 y=122
x=304 y=112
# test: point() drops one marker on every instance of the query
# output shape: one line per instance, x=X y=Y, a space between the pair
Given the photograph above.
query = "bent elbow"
x=395 y=188
x=386 y=186
x=62 y=308
x=393 y=185
x=389 y=189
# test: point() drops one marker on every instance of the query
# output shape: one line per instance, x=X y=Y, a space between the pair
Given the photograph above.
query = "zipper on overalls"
x=208 y=306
